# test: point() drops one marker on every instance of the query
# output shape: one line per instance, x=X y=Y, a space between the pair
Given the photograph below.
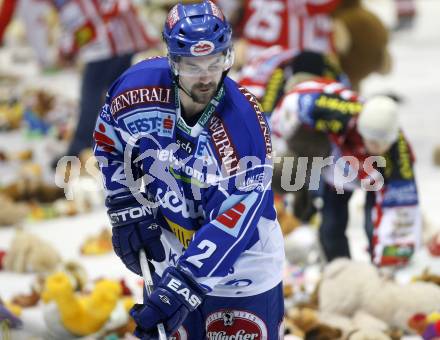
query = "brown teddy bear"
x=365 y=51
x=305 y=324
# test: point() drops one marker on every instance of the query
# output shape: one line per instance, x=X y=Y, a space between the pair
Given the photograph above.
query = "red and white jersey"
x=328 y=106
x=292 y=24
x=96 y=29
x=256 y=74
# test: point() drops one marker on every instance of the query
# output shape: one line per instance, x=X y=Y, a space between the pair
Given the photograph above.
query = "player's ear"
x=229 y=58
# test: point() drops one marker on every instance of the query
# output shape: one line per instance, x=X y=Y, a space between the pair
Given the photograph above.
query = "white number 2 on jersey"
x=266 y=20
x=208 y=247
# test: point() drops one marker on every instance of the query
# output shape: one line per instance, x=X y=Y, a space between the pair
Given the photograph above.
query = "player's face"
x=376 y=148
x=201 y=75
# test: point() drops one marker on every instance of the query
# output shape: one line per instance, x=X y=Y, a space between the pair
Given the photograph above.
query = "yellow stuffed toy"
x=85 y=314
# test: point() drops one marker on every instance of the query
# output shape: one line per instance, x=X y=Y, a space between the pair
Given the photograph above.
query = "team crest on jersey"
x=228 y=318
x=235 y=324
x=202 y=48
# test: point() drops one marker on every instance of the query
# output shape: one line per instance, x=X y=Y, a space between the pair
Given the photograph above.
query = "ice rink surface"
x=415 y=77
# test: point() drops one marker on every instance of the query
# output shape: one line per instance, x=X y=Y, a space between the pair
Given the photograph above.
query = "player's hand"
x=176 y=295
x=134 y=229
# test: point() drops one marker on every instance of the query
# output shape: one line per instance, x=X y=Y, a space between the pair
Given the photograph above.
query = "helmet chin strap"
x=180 y=86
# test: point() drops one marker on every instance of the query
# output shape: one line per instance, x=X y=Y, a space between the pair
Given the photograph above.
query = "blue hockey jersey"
x=209 y=183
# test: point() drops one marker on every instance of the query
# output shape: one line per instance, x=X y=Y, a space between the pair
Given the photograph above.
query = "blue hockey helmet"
x=196 y=30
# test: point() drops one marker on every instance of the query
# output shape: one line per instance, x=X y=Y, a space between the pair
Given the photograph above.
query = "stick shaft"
x=149 y=286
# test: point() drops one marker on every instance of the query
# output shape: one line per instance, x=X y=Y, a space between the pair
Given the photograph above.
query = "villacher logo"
x=235 y=325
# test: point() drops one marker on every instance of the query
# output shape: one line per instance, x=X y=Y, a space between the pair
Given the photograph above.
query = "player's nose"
x=205 y=78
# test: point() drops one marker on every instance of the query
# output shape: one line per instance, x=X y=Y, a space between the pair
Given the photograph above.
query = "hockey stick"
x=149 y=286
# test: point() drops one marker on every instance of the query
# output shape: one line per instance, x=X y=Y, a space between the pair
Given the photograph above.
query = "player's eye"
x=215 y=68
x=194 y=69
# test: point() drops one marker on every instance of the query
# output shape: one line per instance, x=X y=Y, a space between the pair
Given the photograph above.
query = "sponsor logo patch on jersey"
x=400 y=193
x=167 y=123
x=230 y=218
x=255 y=182
x=203 y=47
x=202 y=150
x=178 y=204
x=235 y=324
x=136 y=97
x=145 y=122
x=223 y=145
x=264 y=127
x=234 y=213
x=142 y=122
x=185 y=144
x=332 y=102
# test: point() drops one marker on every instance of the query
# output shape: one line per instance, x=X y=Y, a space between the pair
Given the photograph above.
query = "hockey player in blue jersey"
x=185 y=155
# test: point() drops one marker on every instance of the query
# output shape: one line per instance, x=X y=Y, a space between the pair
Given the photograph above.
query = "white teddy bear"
x=349 y=287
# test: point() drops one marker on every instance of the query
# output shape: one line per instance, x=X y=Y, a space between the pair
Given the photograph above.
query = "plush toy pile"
x=98 y=312
x=354 y=300
x=71 y=304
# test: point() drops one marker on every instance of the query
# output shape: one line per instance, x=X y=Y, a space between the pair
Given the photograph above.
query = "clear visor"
x=204 y=66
